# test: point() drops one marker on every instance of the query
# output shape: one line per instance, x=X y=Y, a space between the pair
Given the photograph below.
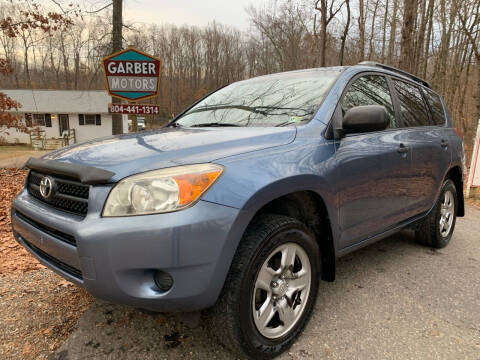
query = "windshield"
x=277 y=100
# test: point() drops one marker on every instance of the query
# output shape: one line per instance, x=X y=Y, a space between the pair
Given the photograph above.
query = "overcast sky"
x=190 y=12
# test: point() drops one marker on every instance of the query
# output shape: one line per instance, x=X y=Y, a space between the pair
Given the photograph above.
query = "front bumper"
x=116 y=258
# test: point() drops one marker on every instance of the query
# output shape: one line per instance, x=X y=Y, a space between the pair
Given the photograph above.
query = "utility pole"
x=117 y=119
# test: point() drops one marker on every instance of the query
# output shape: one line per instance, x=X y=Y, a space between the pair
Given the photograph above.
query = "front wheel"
x=270 y=290
x=437 y=228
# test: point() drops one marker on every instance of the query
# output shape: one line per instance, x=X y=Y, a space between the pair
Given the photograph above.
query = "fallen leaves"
x=13 y=257
x=65 y=283
x=38 y=309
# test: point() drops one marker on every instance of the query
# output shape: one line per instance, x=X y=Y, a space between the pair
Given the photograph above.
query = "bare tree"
x=328 y=11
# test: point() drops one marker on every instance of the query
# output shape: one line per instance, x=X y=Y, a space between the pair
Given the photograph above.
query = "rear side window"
x=370 y=90
x=412 y=106
x=436 y=106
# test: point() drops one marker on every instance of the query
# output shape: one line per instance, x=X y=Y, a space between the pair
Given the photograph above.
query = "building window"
x=89 y=119
x=38 y=120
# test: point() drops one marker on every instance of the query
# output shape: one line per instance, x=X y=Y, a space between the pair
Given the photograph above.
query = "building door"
x=63 y=122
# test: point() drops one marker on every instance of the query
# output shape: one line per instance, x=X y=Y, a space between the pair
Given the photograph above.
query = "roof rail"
x=394 y=69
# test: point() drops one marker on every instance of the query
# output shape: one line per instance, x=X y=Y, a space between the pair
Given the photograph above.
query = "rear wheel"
x=270 y=290
x=437 y=228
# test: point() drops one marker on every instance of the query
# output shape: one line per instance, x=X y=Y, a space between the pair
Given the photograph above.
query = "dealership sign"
x=134 y=109
x=132 y=75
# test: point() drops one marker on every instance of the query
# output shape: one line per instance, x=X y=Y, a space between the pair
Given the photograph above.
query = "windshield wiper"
x=291 y=122
x=215 y=124
x=253 y=109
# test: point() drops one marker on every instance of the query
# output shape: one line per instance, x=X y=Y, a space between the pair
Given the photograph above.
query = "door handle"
x=402 y=149
x=444 y=143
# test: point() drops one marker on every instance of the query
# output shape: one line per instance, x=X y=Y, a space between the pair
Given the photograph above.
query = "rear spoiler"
x=85 y=174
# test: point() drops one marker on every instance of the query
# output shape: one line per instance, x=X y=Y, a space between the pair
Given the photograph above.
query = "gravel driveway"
x=392 y=300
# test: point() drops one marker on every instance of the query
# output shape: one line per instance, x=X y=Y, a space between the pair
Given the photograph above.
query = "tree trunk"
x=420 y=37
x=117 y=123
x=345 y=33
x=406 y=44
x=427 y=40
x=65 y=62
x=323 y=32
x=361 y=29
x=384 y=33
x=76 y=70
x=372 y=29
x=393 y=33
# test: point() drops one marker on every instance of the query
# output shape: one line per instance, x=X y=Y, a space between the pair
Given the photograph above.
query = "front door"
x=64 y=123
x=372 y=169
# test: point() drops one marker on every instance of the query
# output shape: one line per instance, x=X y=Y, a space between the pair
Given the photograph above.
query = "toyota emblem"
x=46 y=187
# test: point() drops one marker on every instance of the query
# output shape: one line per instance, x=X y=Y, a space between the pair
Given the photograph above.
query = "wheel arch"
x=310 y=208
x=455 y=174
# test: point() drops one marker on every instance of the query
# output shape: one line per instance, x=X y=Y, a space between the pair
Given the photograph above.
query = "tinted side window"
x=370 y=90
x=413 y=108
x=436 y=106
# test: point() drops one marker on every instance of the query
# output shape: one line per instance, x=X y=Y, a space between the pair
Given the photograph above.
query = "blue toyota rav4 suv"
x=244 y=201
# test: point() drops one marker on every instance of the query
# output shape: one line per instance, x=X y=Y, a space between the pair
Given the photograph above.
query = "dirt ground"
x=15 y=156
x=8 y=151
x=474 y=201
x=38 y=309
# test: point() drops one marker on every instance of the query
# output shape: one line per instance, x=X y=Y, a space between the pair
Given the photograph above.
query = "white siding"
x=82 y=132
x=69 y=102
x=89 y=132
x=15 y=136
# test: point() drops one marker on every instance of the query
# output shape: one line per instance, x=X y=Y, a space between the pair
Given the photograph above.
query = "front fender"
x=252 y=180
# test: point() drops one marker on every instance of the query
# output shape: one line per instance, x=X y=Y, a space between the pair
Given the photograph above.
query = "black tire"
x=231 y=320
x=429 y=232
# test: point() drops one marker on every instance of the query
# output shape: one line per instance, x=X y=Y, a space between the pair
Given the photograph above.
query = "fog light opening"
x=163 y=280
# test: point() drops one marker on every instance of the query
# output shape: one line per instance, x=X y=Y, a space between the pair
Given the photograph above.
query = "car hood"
x=133 y=153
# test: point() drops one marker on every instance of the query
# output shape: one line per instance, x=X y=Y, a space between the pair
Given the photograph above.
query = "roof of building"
x=60 y=101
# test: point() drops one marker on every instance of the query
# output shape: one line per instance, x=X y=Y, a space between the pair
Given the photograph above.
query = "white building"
x=57 y=111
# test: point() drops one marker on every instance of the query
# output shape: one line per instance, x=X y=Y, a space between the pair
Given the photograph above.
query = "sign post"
x=474 y=174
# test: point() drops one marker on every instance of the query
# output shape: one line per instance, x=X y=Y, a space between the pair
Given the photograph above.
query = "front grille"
x=69 y=195
x=60 y=235
x=54 y=261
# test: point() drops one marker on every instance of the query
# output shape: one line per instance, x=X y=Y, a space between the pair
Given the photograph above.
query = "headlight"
x=161 y=191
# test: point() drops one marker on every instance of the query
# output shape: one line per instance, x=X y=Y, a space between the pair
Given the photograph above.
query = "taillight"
x=459 y=133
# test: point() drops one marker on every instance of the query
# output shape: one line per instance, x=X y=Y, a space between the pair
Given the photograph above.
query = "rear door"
x=372 y=172
x=423 y=118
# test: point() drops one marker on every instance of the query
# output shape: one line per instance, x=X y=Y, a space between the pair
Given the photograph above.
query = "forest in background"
x=434 y=39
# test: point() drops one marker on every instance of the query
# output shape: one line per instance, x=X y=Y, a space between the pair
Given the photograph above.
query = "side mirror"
x=365 y=119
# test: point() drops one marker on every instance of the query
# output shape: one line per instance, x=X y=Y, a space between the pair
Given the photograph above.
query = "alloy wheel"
x=281 y=290
x=447 y=213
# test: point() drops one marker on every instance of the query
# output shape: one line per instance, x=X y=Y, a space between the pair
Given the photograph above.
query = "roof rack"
x=394 y=69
